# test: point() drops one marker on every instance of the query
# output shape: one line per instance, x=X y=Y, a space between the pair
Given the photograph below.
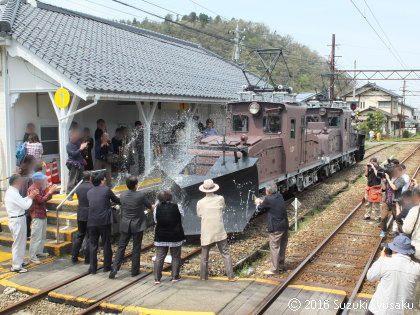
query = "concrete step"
x=51 y=246
x=66 y=233
x=69 y=206
x=64 y=218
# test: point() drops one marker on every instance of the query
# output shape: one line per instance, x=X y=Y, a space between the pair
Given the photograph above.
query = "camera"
x=388 y=169
x=388 y=251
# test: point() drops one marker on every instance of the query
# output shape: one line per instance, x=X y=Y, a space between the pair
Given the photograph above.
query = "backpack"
x=20 y=152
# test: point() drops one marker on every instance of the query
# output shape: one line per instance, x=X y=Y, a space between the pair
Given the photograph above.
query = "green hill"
x=305 y=64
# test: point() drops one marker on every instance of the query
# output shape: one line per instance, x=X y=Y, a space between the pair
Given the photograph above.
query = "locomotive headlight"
x=254 y=108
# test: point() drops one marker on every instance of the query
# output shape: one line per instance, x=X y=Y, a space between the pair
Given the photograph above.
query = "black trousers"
x=78 y=241
x=122 y=245
x=104 y=231
x=28 y=225
x=75 y=175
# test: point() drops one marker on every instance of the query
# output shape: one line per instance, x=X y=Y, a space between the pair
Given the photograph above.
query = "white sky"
x=309 y=22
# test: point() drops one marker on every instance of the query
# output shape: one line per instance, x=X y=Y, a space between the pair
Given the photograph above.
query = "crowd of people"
x=391 y=192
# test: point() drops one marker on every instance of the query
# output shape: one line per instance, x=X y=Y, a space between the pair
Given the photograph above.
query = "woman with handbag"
x=104 y=156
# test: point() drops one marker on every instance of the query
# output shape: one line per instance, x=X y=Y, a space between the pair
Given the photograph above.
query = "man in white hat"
x=210 y=210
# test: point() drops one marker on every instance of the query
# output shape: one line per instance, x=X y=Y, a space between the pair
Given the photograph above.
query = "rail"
x=69 y=195
x=16 y=307
x=359 y=283
x=266 y=303
x=92 y=309
x=268 y=300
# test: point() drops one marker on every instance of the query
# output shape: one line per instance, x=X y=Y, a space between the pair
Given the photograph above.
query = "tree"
x=169 y=17
x=203 y=18
x=375 y=121
x=192 y=17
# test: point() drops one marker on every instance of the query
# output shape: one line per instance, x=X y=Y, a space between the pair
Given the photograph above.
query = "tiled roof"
x=372 y=86
x=105 y=56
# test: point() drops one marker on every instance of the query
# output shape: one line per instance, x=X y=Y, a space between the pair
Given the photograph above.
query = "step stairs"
x=67 y=229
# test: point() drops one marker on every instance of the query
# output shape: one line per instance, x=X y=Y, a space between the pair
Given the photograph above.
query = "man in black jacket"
x=133 y=224
x=99 y=221
x=278 y=226
x=82 y=217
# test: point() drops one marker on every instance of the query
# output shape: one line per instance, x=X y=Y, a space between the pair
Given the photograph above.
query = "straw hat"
x=208 y=186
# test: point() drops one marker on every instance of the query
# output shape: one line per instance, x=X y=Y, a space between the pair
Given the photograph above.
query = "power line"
x=376 y=32
x=158 y=6
x=177 y=23
x=383 y=31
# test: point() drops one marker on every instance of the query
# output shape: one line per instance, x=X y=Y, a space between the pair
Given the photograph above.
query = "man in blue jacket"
x=278 y=226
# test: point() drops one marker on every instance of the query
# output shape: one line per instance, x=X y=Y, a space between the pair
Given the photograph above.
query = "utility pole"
x=237 y=40
x=402 y=117
x=332 y=68
x=354 y=84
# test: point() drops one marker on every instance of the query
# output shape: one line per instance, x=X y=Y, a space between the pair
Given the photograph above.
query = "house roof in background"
x=371 y=86
x=105 y=56
x=375 y=109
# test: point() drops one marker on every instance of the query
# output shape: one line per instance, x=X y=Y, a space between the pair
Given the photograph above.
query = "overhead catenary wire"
x=376 y=32
x=179 y=24
x=383 y=31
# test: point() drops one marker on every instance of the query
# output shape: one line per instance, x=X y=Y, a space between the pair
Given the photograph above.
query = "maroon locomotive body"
x=291 y=144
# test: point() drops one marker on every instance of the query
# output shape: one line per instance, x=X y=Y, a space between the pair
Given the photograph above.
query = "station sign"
x=62 y=98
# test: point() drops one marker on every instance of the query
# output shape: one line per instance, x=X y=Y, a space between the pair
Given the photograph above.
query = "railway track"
x=355 y=250
x=32 y=299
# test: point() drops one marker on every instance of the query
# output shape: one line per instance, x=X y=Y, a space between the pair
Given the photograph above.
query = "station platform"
x=188 y=296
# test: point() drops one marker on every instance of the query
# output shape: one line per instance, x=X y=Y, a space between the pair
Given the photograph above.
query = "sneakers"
x=366 y=218
x=383 y=234
x=233 y=279
x=176 y=279
x=35 y=261
x=43 y=255
x=112 y=274
x=21 y=270
x=157 y=281
x=269 y=273
x=25 y=263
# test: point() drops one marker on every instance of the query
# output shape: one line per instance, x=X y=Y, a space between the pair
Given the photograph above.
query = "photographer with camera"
x=397 y=275
x=373 y=193
x=392 y=186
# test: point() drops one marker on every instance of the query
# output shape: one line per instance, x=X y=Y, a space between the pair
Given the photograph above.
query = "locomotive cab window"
x=312 y=119
x=292 y=128
x=240 y=123
x=334 y=121
x=272 y=124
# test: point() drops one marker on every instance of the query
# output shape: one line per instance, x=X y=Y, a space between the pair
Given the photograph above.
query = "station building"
x=113 y=71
